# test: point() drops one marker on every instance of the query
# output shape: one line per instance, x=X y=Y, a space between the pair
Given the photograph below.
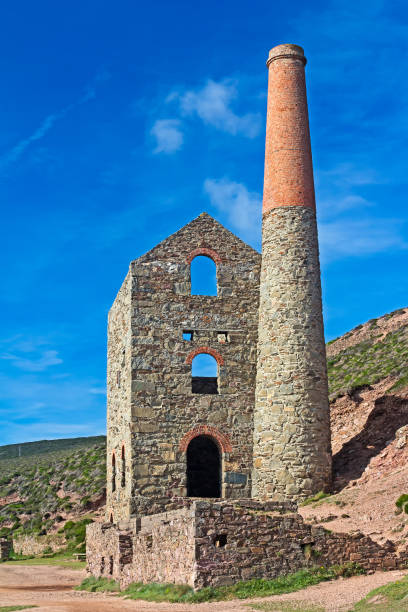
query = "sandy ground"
x=51 y=589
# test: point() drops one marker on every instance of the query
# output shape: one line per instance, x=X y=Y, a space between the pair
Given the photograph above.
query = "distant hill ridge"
x=28 y=449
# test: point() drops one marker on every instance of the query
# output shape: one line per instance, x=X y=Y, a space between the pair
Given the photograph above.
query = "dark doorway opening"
x=203 y=468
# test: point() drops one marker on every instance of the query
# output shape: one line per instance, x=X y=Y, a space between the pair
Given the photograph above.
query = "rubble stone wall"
x=217 y=543
x=35 y=545
x=156 y=548
x=5 y=549
x=163 y=408
x=118 y=396
x=292 y=454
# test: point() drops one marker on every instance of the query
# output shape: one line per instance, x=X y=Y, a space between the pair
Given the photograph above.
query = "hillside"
x=32 y=449
x=56 y=481
x=368 y=382
x=51 y=482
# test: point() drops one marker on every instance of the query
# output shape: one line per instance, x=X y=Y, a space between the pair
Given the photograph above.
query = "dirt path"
x=51 y=589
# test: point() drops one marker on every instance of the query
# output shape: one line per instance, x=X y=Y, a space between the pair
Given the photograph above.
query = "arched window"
x=203 y=276
x=123 y=476
x=204 y=374
x=111 y=521
x=113 y=473
x=203 y=468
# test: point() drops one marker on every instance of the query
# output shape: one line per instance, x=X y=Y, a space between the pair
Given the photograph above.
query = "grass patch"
x=316 y=498
x=12 y=608
x=97 y=585
x=241 y=590
x=287 y=606
x=59 y=560
x=392 y=597
x=368 y=362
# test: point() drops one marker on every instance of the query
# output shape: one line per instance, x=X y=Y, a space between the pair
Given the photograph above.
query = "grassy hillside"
x=370 y=353
x=50 y=484
x=32 y=449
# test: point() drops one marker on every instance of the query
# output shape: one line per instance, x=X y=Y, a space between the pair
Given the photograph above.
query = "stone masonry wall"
x=162 y=547
x=35 y=545
x=216 y=543
x=292 y=457
x=164 y=410
x=5 y=549
x=118 y=394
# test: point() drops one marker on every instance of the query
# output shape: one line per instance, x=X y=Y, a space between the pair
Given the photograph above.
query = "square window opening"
x=188 y=335
x=220 y=540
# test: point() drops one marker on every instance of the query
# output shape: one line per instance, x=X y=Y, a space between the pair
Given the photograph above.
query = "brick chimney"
x=292 y=455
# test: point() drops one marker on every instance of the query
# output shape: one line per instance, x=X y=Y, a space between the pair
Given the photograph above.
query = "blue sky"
x=120 y=122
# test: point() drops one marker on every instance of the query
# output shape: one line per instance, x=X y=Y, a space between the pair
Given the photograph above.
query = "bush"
x=402 y=503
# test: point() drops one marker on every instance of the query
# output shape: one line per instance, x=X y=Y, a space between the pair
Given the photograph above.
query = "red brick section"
x=206 y=430
x=207 y=350
x=288 y=158
x=204 y=251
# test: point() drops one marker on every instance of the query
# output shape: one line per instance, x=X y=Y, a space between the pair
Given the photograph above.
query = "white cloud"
x=168 y=134
x=243 y=208
x=48 y=123
x=212 y=104
x=359 y=238
x=35 y=364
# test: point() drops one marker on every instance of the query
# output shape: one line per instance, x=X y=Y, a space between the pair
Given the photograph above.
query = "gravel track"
x=51 y=589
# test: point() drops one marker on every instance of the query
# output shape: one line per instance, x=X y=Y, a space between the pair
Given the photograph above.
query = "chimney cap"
x=286 y=50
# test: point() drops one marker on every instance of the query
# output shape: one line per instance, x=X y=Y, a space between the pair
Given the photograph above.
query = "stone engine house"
x=171 y=434
x=204 y=473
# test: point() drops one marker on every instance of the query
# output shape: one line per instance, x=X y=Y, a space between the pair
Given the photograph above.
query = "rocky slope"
x=368 y=374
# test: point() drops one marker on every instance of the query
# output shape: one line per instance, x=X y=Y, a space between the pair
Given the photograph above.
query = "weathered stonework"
x=292 y=457
x=35 y=545
x=209 y=543
x=5 y=549
x=151 y=405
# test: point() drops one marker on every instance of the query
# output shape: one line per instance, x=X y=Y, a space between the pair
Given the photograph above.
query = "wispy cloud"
x=29 y=354
x=241 y=206
x=48 y=123
x=340 y=234
x=212 y=104
x=359 y=238
x=168 y=135
x=36 y=364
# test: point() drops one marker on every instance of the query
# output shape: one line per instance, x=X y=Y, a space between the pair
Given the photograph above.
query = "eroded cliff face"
x=369 y=425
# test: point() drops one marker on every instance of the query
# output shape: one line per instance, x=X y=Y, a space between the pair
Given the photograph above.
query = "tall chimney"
x=292 y=454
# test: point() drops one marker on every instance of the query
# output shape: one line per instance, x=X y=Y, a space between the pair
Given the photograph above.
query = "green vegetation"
x=33 y=449
x=242 y=590
x=12 y=608
x=287 y=606
x=44 y=484
x=369 y=362
x=60 y=560
x=75 y=534
x=96 y=585
x=392 y=597
x=402 y=503
x=316 y=498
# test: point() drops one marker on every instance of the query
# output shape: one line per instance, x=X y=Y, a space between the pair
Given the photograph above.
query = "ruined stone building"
x=204 y=472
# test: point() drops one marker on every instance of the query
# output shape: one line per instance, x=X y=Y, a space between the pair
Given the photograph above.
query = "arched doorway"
x=203 y=468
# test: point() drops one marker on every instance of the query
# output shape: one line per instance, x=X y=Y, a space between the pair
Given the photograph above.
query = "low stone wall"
x=5 y=549
x=218 y=543
x=36 y=545
x=156 y=548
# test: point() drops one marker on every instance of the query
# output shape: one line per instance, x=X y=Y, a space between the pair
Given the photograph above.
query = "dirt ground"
x=51 y=589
